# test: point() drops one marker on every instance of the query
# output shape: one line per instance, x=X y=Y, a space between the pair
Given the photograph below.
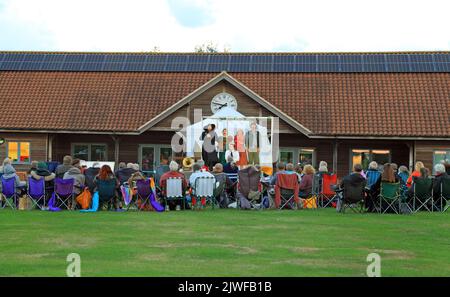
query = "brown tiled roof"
x=333 y=104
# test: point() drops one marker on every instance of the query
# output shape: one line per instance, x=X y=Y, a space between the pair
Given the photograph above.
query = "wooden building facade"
x=127 y=116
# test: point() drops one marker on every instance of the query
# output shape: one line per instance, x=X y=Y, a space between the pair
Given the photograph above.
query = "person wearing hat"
x=209 y=152
x=75 y=173
x=40 y=170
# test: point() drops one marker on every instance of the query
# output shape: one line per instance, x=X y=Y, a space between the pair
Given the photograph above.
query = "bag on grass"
x=84 y=199
x=310 y=202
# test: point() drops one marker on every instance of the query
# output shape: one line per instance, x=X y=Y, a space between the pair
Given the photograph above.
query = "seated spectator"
x=33 y=167
x=306 y=184
x=232 y=152
x=122 y=165
x=90 y=175
x=41 y=171
x=323 y=168
x=197 y=172
x=403 y=175
x=441 y=174
x=10 y=172
x=281 y=167
x=230 y=166
x=299 y=171
x=290 y=169
x=6 y=161
x=161 y=169
x=317 y=179
x=372 y=175
x=135 y=177
x=424 y=174
x=75 y=173
x=173 y=173
x=387 y=176
x=447 y=167
x=64 y=167
x=416 y=173
x=354 y=179
x=106 y=174
x=202 y=165
x=124 y=173
x=223 y=179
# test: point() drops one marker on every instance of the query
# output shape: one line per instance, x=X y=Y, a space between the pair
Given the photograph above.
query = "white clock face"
x=223 y=100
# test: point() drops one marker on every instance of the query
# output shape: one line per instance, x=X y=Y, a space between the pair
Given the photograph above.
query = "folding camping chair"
x=174 y=190
x=143 y=193
x=286 y=188
x=231 y=189
x=9 y=194
x=106 y=192
x=445 y=195
x=327 y=195
x=389 y=197
x=249 y=186
x=204 y=191
x=423 y=194
x=64 y=192
x=36 y=192
x=352 y=196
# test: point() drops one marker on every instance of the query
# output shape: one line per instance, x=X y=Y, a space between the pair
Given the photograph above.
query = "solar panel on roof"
x=77 y=58
x=30 y=65
x=54 y=58
x=112 y=66
x=92 y=66
x=351 y=67
x=115 y=58
x=71 y=66
x=94 y=58
x=410 y=62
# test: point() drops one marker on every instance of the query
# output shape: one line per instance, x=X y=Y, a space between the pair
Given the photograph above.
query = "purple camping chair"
x=64 y=192
x=144 y=191
x=36 y=191
x=9 y=192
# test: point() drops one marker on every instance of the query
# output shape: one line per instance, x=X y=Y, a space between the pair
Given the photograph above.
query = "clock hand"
x=220 y=104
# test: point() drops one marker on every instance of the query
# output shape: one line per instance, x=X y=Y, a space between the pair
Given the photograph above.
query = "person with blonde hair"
x=306 y=183
x=416 y=173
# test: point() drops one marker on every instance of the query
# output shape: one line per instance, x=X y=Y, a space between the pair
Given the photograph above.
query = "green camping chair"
x=445 y=195
x=389 y=197
x=423 y=194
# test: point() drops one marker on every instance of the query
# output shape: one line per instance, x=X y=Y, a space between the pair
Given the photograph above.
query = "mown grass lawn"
x=223 y=243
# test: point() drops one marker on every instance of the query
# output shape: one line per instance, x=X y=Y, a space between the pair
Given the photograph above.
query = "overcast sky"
x=240 y=25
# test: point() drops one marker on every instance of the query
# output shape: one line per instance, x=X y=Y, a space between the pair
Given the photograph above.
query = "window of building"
x=440 y=156
x=306 y=156
x=19 y=152
x=295 y=155
x=90 y=151
x=365 y=156
x=153 y=155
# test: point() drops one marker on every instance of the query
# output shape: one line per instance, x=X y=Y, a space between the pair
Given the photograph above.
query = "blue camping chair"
x=9 y=193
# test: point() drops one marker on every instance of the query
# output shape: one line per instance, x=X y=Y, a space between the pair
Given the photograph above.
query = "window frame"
x=370 y=154
x=18 y=151
x=157 y=153
x=447 y=150
x=296 y=152
x=89 y=144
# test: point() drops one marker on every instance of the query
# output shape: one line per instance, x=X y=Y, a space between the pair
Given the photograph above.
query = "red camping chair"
x=327 y=195
x=286 y=191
